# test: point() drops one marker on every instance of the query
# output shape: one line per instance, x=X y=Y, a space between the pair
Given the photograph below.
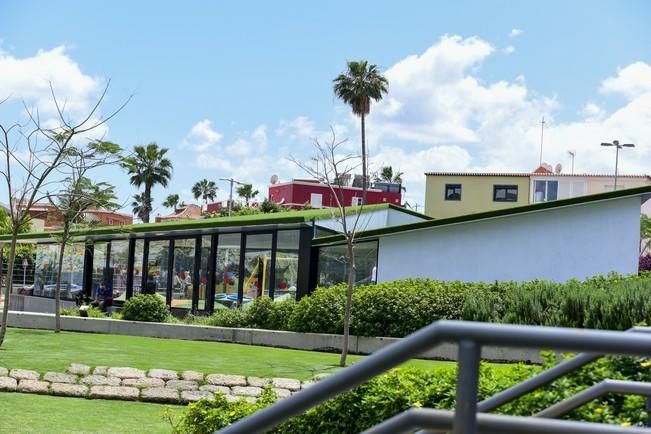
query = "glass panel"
x=286 y=264
x=203 y=271
x=118 y=261
x=138 y=257
x=512 y=194
x=500 y=193
x=227 y=270
x=257 y=266
x=333 y=268
x=552 y=190
x=99 y=266
x=72 y=275
x=157 y=268
x=182 y=280
x=539 y=194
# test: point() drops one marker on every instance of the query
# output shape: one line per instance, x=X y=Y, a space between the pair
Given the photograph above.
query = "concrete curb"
x=269 y=338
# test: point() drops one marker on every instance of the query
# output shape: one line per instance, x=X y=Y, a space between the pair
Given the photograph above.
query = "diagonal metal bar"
x=427 y=337
x=442 y=420
x=593 y=392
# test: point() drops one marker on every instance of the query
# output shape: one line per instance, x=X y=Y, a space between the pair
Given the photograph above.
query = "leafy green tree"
x=171 y=201
x=206 y=190
x=269 y=206
x=386 y=175
x=360 y=84
x=247 y=192
x=148 y=167
x=138 y=205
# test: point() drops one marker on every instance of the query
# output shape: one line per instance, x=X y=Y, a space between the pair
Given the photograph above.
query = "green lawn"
x=43 y=351
x=27 y=413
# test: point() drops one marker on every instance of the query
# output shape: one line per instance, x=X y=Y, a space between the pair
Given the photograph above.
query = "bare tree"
x=332 y=167
x=31 y=156
x=78 y=195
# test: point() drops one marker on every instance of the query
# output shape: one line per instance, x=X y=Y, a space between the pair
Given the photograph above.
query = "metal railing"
x=470 y=337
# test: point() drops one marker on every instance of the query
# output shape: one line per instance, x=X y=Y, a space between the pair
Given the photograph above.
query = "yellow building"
x=449 y=194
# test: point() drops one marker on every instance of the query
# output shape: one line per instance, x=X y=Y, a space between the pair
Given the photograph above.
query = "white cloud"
x=592 y=111
x=515 y=32
x=631 y=81
x=509 y=50
x=249 y=143
x=301 y=127
x=202 y=136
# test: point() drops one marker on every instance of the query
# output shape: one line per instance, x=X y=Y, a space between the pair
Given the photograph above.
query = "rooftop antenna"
x=572 y=155
x=542 y=133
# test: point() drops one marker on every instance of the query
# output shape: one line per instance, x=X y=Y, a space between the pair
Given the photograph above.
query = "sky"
x=237 y=89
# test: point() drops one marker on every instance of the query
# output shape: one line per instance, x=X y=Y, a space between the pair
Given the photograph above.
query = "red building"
x=295 y=193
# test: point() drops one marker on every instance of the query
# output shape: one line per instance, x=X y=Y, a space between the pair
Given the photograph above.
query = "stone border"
x=154 y=385
x=269 y=338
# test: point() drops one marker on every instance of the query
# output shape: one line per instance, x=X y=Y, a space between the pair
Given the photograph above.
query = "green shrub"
x=149 y=308
x=321 y=312
x=227 y=318
x=73 y=311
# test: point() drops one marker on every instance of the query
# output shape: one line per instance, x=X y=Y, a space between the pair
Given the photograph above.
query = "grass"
x=43 y=350
x=27 y=413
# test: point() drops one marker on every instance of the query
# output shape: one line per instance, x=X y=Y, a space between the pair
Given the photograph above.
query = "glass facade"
x=157 y=268
x=138 y=259
x=257 y=266
x=227 y=269
x=99 y=266
x=206 y=242
x=333 y=267
x=286 y=273
x=183 y=284
x=72 y=271
x=118 y=259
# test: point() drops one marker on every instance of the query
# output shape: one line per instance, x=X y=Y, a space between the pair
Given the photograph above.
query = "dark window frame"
x=447 y=195
x=506 y=187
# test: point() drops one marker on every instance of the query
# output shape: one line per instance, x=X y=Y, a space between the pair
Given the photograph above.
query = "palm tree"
x=149 y=167
x=386 y=175
x=171 y=201
x=138 y=205
x=357 y=87
x=247 y=193
x=205 y=190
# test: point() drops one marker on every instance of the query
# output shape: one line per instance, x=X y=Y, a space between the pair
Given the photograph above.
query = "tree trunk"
x=57 y=289
x=147 y=204
x=349 y=301
x=364 y=168
x=9 y=284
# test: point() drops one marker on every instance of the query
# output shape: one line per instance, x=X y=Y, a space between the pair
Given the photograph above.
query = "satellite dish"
x=558 y=168
x=274 y=179
x=547 y=166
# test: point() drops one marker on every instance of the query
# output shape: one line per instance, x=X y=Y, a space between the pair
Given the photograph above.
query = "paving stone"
x=58 y=377
x=24 y=374
x=124 y=372
x=115 y=392
x=214 y=389
x=67 y=389
x=100 y=370
x=3 y=372
x=282 y=393
x=33 y=386
x=195 y=395
x=78 y=369
x=182 y=385
x=286 y=383
x=192 y=375
x=233 y=398
x=100 y=380
x=143 y=382
x=257 y=381
x=306 y=384
x=160 y=394
x=8 y=384
x=164 y=374
x=247 y=391
x=226 y=380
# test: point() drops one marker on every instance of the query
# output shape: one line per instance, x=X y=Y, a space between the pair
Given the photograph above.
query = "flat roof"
x=279 y=218
x=529 y=174
x=638 y=191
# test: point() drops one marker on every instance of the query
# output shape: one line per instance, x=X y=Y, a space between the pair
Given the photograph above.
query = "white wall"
x=371 y=219
x=555 y=244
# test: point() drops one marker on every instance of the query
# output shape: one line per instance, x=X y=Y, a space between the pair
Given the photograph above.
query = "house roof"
x=287 y=217
x=644 y=192
x=539 y=173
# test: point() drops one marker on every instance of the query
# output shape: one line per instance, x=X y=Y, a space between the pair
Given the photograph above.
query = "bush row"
x=398 y=308
x=401 y=389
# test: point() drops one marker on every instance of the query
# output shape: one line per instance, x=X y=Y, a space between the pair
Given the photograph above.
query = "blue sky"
x=235 y=88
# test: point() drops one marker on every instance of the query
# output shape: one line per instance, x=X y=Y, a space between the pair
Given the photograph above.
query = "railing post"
x=465 y=414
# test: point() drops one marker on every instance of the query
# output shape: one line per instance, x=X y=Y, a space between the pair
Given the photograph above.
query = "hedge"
x=401 y=389
x=398 y=308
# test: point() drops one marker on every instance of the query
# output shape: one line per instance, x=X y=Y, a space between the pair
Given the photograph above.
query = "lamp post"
x=230 y=196
x=617 y=146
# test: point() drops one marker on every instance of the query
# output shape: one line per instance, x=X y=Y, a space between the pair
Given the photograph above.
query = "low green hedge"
x=401 y=389
x=149 y=308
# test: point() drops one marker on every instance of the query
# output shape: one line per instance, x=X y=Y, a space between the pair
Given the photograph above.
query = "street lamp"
x=230 y=196
x=617 y=146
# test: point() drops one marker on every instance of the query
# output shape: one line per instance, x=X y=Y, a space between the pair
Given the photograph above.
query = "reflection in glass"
x=333 y=268
x=286 y=265
x=257 y=266
x=203 y=271
x=99 y=265
x=182 y=280
x=157 y=271
x=119 y=256
x=137 y=266
x=227 y=270
x=72 y=275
